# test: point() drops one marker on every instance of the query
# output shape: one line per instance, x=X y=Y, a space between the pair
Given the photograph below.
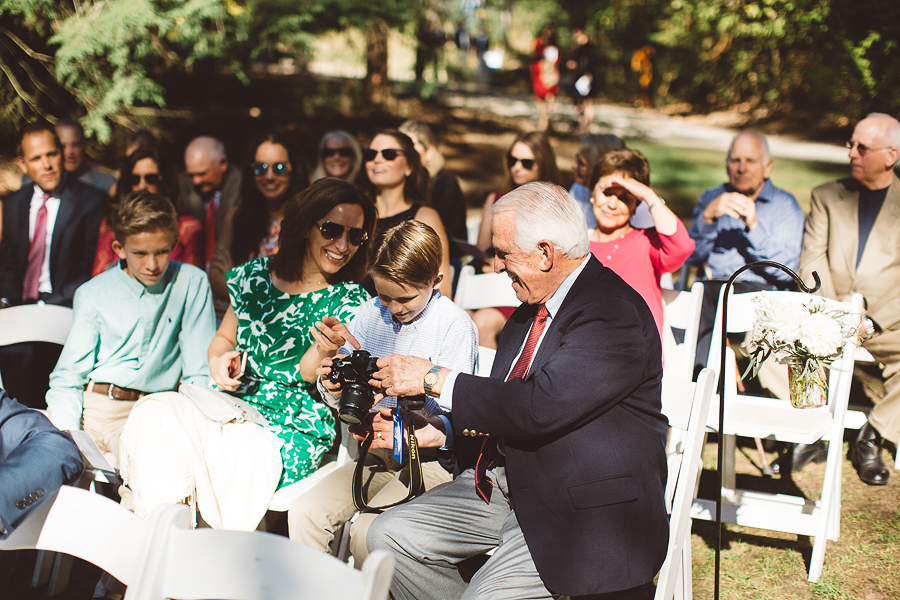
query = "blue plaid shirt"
x=443 y=333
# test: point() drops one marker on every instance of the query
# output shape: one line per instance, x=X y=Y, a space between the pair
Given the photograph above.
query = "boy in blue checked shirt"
x=409 y=316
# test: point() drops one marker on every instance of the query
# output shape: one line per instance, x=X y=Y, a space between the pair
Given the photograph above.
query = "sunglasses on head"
x=261 y=168
x=527 y=163
x=332 y=231
x=135 y=180
x=332 y=152
x=389 y=154
x=862 y=149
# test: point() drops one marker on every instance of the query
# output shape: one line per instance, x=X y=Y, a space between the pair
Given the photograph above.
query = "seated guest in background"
x=398 y=183
x=851 y=242
x=561 y=452
x=621 y=180
x=530 y=158
x=340 y=156
x=148 y=169
x=591 y=148
x=139 y=327
x=409 y=316
x=273 y=175
x=71 y=138
x=210 y=190
x=36 y=459
x=744 y=220
x=138 y=140
x=443 y=188
x=49 y=239
x=172 y=453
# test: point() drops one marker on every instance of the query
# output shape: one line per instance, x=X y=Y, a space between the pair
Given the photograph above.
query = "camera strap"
x=416 y=483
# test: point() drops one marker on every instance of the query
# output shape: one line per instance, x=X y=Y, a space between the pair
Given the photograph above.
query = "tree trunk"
x=376 y=85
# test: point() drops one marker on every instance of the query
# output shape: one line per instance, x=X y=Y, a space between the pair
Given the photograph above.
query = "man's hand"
x=734 y=205
x=429 y=430
x=400 y=375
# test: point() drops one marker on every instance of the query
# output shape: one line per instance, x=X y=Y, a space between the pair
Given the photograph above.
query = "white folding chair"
x=483 y=290
x=34 y=323
x=771 y=418
x=681 y=310
x=686 y=405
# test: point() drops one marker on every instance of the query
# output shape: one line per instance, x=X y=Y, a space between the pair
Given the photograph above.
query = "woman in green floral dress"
x=275 y=302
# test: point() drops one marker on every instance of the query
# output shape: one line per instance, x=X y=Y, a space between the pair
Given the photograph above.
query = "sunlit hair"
x=408 y=254
x=426 y=137
x=415 y=188
x=545 y=211
x=544 y=158
x=760 y=138
x=890 y=132
x=302 y=214
x=630 y=162
x=351 y=143
x=144 y=212
x=35 y=128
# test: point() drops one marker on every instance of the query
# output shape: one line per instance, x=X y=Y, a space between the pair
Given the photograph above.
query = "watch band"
x=436 y=370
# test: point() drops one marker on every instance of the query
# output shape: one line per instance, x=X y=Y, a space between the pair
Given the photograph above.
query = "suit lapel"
x=68 y=203
x=883 y=237
x=518 y=329
x=848 y=216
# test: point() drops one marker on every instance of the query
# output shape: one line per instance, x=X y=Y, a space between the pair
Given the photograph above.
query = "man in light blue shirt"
x=137 y=328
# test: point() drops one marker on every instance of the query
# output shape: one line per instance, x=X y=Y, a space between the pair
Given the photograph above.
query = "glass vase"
x=808 y=386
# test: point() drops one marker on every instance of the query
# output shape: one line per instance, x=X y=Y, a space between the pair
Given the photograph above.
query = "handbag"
x=219 y=407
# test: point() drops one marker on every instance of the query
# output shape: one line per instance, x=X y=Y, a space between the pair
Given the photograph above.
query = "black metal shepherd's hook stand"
x=721 y=455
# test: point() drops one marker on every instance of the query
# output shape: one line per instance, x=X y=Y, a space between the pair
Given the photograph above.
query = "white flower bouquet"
x=807 y=336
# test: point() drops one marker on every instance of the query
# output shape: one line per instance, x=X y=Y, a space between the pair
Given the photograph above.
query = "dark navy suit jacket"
x=585 y=439
x=72 y=247
x=36 y=458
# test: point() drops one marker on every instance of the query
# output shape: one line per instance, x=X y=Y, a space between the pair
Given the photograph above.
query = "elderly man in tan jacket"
x=852 y=240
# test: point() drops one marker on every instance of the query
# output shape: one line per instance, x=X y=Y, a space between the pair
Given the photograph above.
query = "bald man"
x=851 y=242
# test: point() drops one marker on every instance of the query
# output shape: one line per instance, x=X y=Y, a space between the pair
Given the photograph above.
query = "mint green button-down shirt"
x=143 y=338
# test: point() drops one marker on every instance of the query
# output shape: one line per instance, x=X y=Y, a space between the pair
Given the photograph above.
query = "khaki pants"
x=104 y=420
x=315 y=516
x=885 y=417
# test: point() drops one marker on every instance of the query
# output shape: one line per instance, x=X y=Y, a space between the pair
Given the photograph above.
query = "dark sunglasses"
x=135 y=180
x=261 y=168
x=332 y=231
x=331 y=152
x=389 y=154
x=527 y=163
x=862 y=148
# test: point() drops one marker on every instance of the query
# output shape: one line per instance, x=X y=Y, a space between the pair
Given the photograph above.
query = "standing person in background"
x=272 y=176
x=399 y=185
x=149 y=169
x=339 y=156
x=444 y=192
x=530 y=158
x=545 y=76
x=581 y=79
x=71 y=137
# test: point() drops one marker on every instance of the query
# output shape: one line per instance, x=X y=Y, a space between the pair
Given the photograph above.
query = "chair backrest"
x=681 y=310
x=34 y=323
x=485 y=361
x=484 y=290
x=686 y=405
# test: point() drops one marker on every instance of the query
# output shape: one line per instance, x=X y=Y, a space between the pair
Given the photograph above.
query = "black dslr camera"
x=357 y=396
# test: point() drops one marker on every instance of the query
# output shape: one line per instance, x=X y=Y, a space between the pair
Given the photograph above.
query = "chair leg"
x=729 y=447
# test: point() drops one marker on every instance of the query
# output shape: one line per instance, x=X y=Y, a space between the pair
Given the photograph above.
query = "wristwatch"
x=430 y=379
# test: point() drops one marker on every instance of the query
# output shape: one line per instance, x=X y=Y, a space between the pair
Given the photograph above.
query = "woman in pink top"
x=620 y=180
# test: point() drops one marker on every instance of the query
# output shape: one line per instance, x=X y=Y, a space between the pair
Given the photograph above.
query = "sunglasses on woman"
x=389 y=154
x=332 y=152
x=261 y=168
x=332 y=231
x=135 y=180
x=527 y=163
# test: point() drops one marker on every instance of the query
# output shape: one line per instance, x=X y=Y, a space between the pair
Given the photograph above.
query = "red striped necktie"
x=32 y=282
x=483 y=483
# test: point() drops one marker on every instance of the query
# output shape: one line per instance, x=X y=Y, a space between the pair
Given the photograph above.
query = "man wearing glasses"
x=210 y=189
x=851 y=242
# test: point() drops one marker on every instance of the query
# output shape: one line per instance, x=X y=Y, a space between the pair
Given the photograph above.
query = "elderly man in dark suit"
x=36 y=458
x=561 y=451
x=47 y=250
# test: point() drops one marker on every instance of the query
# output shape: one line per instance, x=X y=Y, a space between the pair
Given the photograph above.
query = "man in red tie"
x=560 y=454
x=47 y=250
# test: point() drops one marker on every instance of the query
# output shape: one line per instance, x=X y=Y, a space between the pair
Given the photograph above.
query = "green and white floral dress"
x=274 y=328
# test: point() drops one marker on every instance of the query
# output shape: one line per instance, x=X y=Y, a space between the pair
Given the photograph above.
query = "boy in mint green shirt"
x=138 y=328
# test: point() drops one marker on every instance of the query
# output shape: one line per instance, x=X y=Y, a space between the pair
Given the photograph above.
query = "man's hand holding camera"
x=429 y=430
x=405 y=375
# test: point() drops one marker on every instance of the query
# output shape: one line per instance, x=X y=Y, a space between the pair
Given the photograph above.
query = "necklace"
x=615 y=246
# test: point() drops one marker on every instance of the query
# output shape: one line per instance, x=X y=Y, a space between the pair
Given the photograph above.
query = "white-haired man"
x=851 y=242
x=560 y=453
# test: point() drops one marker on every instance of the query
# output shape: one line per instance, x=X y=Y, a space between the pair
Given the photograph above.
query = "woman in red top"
x=620 y=181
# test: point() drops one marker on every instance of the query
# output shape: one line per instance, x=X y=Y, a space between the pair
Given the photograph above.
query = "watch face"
x=430 y=378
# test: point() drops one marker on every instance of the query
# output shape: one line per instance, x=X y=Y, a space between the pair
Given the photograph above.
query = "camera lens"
x=356 y=400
